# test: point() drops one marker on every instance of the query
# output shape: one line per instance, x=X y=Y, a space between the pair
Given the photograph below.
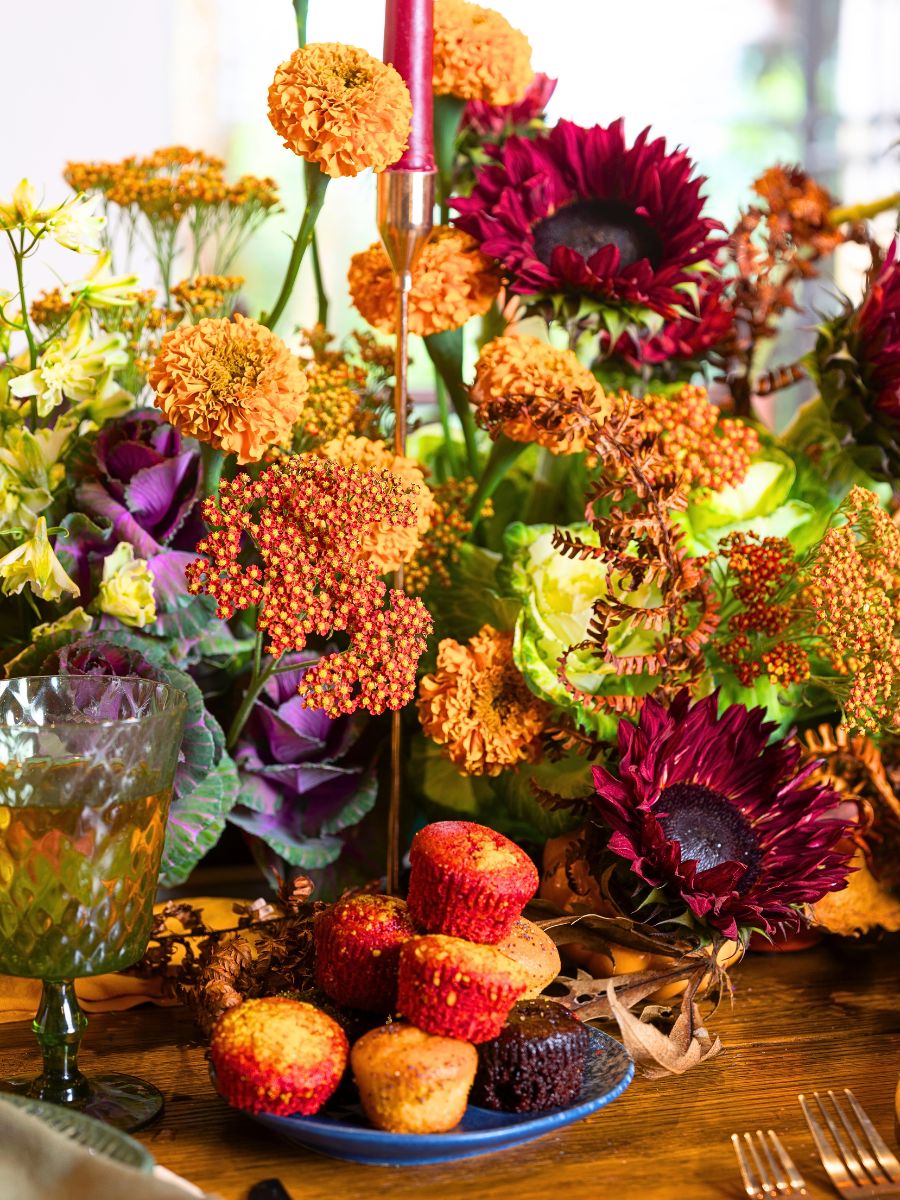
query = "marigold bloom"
x=339 y=107
x=478 y=705
x=478 y=55
x=233 y=384
x=292 y=544
x=531 y=392
x=387 y=544
x=452 y=282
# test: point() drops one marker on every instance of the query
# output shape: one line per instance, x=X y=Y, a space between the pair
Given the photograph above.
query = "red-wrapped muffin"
x=468 y=881
x=457 y=989
x=278 y=1056
x=358 y=944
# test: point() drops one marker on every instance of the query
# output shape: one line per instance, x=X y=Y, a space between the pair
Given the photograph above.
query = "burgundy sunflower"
x=683 y=341
x=718 y=819
x=578 y=211
x=857 y=363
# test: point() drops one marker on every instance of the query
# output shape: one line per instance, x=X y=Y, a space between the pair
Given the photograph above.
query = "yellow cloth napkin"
x=19 y=998
x=37 y=1163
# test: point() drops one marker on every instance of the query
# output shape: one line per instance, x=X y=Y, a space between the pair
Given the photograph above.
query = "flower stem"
x=863 y=212
x=301 y=10
x=19 y=256
x=448 y=111
x=258 y=681
x=445 y=351
x=316 y=184
x=322 y=311
x=503 y=454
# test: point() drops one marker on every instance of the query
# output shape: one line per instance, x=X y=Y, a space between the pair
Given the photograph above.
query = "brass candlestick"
x=405 y=221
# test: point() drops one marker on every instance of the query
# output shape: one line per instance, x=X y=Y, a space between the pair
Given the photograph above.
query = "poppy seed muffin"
x=457 y=989
x=410 y=1081
x=534 y=951
x=536 y=1062
x=358 y=943
x=277 y=1055
x=468 y=881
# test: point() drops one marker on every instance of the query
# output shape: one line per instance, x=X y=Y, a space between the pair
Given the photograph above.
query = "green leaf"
x=358 y=805
x=307 y=853
x=196 y=821
x=569 y=777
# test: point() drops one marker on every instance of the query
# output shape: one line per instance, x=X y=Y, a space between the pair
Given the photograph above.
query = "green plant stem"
x=322 y=296
x=258 y=681
x=448 y=111
x=19 y=256
x=212 y=461
x=503 y=454
x=449 y=459
x=301 y=11
x=543 y=502
x=316 y=185
x=445 y=351
x=863 y=212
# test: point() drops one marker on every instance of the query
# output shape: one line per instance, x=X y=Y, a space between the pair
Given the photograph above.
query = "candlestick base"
x=405 y=215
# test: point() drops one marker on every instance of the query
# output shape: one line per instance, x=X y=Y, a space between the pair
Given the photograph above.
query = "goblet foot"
x=124 y=1101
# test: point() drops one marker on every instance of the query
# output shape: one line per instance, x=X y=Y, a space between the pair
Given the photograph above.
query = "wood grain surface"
x=828 y=1017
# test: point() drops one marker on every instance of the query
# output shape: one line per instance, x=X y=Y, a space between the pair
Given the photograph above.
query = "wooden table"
x=828 y=1017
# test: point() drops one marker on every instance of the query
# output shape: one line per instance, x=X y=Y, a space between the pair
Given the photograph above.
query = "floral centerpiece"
x=635 y=624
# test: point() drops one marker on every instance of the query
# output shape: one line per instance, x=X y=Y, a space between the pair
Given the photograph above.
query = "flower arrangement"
x=626 y=605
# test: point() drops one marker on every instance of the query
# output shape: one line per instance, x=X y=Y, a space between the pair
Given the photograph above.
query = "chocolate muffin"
x=536 y=1062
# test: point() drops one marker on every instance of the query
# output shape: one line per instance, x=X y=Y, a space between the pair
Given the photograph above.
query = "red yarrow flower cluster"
x=291 y=543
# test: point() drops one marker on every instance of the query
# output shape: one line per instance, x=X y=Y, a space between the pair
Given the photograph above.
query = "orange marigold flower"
x=387 y=544
x=233 y=384
x=478 y=705
x=478 y=55
x=531 y=392
x=452 y=282
x=292 y=544
x=339 y=107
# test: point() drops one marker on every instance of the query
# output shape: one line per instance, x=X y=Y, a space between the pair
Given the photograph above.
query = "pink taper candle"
x=408 y=35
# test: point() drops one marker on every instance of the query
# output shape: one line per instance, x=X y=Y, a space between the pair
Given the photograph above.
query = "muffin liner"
x=464 y=903
x=356 y=964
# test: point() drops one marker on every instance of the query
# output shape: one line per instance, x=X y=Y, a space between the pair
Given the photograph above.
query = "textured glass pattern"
x=86 y=768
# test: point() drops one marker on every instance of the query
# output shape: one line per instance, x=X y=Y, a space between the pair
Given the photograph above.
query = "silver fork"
x=862 y=1166
x=762 y=1176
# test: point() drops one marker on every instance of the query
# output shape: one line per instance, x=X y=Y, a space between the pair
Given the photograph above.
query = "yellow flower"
x=31 y=469
x=78 y=368
x=478 y=705
x=478 y=55
x=101 y=289
x=126 y=590
x=35 y=563
x=71 y=223
x=531 y=392
x=387 y=545
x=452 y=282
x=21 y=211
x=75 y=621
x=339 y=107
x=233 y=384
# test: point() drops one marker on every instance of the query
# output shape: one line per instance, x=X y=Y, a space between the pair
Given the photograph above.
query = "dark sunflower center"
x=586 y=225
x=710 y=829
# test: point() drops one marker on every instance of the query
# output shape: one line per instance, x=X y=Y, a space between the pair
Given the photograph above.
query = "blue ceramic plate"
x=344 y=1132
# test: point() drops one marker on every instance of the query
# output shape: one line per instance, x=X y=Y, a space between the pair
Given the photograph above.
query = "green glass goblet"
x=86 y=771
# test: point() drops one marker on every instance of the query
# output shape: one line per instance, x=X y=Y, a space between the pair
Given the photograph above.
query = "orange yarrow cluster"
x=694 y=438
x=854 y=577
x=290 y=543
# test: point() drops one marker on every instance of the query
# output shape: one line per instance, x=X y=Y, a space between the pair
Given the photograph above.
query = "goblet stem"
x=59 y=1026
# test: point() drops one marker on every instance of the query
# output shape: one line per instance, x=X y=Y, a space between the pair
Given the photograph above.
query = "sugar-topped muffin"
x=358 y=943
x=534 y=951
x=410 y=1081
x=468 y=881
x=278 y=1056
x=457 y=989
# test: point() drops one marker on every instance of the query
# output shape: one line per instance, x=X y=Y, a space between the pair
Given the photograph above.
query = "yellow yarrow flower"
x=35 y=563
x=126 y=590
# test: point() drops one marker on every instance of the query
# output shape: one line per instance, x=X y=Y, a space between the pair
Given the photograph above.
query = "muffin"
x=468 y=881
x=457 y=989
x=534 y=951
x=537 y=1061
x=410 y=1081
x=358 y=943
x=278 y=1056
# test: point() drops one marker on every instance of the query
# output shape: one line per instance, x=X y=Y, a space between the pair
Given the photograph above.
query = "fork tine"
x=751 y=1184
x=853 y=1165
x=795 y=1179
x=863 y=1153
x=778 y=1184
x=886 y=1159
x=837 y=1172
x=768 y=1188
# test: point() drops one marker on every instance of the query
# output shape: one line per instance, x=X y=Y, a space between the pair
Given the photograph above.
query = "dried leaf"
x=588 y=997
x=658 y=1054
x=604 y=933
